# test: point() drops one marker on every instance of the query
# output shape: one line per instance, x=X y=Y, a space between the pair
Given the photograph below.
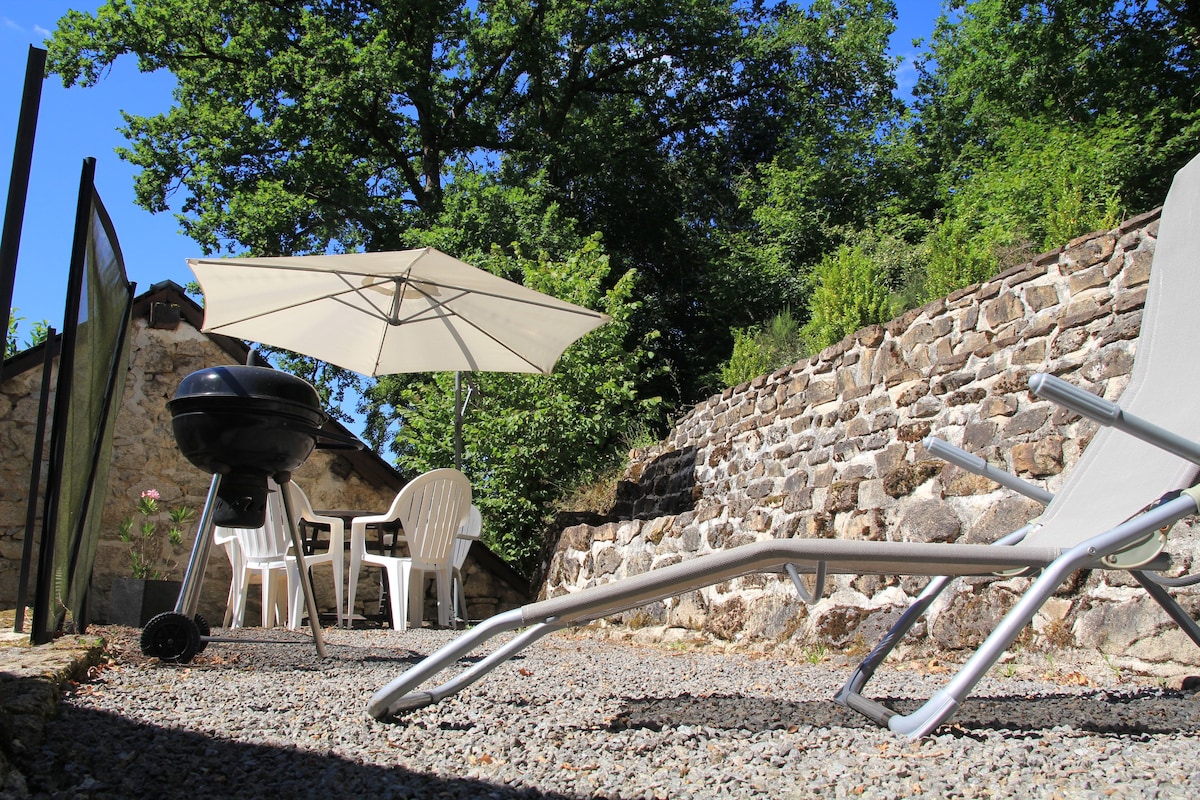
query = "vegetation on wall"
x=735 y=182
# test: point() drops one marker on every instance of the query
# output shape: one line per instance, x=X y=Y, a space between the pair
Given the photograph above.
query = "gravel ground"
x=582 y=715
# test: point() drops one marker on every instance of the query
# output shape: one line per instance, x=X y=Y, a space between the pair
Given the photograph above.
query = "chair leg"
x=239 y=608
x=444 y=588
x=849 y=695
x=399 y=579
x=268 y=600
x=416 y=596
x=352 y=589
x=399 y=694
x=295 y=605
x=458 y=597
x=338 y=578
x=1173 y=609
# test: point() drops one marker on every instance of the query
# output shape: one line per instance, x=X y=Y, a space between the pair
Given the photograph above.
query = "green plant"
x=38 y=332
x=148 y=557
x=850 y=293
x=759 y=350
x=815 y=654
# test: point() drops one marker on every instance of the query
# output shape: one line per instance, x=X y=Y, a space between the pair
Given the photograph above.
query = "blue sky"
x=76 y=123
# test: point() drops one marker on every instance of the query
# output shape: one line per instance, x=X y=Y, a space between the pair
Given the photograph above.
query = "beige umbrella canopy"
x=382 y=313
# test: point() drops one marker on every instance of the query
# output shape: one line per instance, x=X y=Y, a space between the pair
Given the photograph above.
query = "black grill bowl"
x=248 y=424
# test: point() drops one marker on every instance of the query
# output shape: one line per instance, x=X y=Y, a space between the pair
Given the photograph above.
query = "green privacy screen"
x=91 y=381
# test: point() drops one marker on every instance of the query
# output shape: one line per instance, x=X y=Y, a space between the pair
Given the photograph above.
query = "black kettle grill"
x=243 y=425
x=248 y=424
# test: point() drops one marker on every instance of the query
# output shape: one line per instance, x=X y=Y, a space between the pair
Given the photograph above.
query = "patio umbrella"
x=383 y=313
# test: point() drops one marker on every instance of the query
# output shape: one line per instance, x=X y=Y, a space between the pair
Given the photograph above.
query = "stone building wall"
x=145 y=456
x=831 y=447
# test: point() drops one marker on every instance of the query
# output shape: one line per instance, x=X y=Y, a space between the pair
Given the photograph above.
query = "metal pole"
x=193 y=576
x=458 y=412
x=310 y=599
x=18 y=187
x=35 y=479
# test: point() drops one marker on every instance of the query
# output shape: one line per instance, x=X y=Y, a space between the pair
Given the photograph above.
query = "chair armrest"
x=1109 y=414
x=974 y=464
x=337 y=528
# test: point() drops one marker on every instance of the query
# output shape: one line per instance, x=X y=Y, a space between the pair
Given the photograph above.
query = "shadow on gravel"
x=1146 y=711
x=88 y=754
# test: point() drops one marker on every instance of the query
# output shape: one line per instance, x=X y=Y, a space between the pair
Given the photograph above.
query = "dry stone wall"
x=831 y=447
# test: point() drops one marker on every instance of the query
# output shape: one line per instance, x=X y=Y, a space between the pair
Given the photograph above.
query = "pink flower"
x=151 y=493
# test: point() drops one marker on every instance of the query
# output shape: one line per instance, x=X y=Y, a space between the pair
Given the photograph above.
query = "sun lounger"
x=1134 y=480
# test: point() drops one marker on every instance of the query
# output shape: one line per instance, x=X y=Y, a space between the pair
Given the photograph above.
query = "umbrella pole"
x=458 y=420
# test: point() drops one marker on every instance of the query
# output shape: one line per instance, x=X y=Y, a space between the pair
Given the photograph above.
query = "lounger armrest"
x=976 y=465
x=1109 y=414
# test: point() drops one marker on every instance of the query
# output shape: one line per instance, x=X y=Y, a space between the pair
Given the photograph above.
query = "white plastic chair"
x=264 y=555
x=334 y=556
x=431 y=509
x=228 y=538
x=468 y=534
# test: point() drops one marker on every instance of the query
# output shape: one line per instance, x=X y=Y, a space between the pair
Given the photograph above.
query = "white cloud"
x=42 y=32
x=8 y=23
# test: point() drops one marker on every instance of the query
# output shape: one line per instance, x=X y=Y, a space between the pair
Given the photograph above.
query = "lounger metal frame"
x=819 y=556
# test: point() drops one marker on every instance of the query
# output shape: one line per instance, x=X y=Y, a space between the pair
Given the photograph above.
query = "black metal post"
x=18 y=187
x=35 y=479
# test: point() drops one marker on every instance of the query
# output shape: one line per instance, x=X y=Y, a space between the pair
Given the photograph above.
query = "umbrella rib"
x=336 y=297
x=562 y=305
x=441 y=305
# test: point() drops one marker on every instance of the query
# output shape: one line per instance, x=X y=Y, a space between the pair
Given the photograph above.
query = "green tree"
x=850 y=292
x=1076 y=65
x=1037 y=189
x=760 y=350
x=301 y=126
x=38 y=332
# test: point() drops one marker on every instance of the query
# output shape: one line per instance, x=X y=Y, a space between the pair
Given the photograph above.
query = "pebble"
x=583 y=716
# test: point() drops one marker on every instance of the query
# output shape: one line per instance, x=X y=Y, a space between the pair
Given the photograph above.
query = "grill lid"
x=249 y=383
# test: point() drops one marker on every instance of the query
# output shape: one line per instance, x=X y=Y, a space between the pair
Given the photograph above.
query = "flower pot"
x=135 y=601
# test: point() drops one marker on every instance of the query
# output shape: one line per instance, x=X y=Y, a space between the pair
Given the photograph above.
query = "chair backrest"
x=431 y=508
x=468 y=533
x=270 y=542
x=1118 y=475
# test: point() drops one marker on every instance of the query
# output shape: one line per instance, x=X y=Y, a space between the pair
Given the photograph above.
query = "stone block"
x=913 y=432
x=997 y=406
x=1083 y=311
x=904 y=479
x=1005 y=308
x=969 y=616
x=871 y=494
x=1087 y=250
x=1116 y=359
x=1137 y=269
x=1007 y=514
x=1040 y=297
x=1027 y=421
x=929 y=521
x=905 y=396
x=842 y=496
x=1089 y=278
x=1039 y=459
x=1032 y=353
x=960 y=483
